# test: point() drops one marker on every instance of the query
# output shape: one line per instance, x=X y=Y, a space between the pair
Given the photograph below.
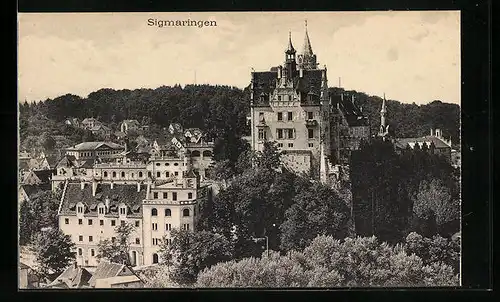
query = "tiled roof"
x=68 y=161
x=263 y=83
x=44 y=175
x=94 y=146
x=73 y=277
x=402 y=142
x=126 y=194
x=105 y=270
x=32 y=190
x=351 y=112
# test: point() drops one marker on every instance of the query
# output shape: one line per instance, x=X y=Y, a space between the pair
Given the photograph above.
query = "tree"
x=191 y=252
x=54 y=251
x=434 y=199
x=48 y=142
x=269 y=158
x=25 y=225
x=435 y=249
x=118 y=250
x=317 y=210
x=40 y=211
x=328 y=262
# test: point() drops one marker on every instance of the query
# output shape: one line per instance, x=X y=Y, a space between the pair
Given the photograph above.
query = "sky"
x=409 y=56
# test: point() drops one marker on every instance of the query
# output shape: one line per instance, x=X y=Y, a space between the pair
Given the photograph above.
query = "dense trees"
x=37 y=213
x=187 y=253
x=327 y=262
x=53 y=251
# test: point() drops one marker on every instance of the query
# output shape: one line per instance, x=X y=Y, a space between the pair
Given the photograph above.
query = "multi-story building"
x=290 y=105
x=90 y=210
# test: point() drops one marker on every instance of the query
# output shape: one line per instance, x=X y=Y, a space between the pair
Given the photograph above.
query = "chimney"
x=106 y=203
x=112 y=185
x=301 y=73
x=94 y=187
x=432 y=132
x=82 y=185
x=138 y=187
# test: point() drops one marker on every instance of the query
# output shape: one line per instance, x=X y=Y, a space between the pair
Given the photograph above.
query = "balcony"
x=311 y=123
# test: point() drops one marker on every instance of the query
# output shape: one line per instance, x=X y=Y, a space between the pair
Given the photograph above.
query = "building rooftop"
x=107 y=269
x=94 y=146
x=126 y=194
x=403 y=142
x=72 y=277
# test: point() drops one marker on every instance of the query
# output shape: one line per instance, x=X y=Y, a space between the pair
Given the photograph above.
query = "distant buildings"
x=434 y=143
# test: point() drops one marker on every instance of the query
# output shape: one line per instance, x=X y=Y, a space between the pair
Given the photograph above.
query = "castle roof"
x=126 y=194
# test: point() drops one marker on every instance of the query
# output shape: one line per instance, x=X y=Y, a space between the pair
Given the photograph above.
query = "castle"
x=291 y=105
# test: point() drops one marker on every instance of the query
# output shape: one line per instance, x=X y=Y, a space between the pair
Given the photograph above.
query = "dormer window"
x=79 y=209
x=101 y=210
x=123 y=210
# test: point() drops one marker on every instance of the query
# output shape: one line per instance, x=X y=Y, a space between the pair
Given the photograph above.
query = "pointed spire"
x=290 y=48
x=383 y=110
x=307 y=44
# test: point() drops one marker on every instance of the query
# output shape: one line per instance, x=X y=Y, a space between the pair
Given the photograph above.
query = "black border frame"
x=477 y=137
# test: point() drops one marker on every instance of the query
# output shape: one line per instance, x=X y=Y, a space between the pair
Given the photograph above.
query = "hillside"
x=214 y=108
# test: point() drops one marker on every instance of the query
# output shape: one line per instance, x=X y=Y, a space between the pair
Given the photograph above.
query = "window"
x=101 y=210
x=158 y=164
x=149 y=173
x=176 y=173
x=290 y=116
x=66 y=220
x=262 y=134
x=91 y=238
x=185 y=226
x=154 y=226
x=168 y=227
x=174 y=196
x=113 y=239
x=311 y=145
x=290 y=145
x=176 y=164
x=158 y=174
x=80 y=209
x=92 y=253
x=122 y=223
x=165 y=195
x=113 y=222
x=123 y=211
x=155 y=258
x=105 y=174
x=123 y=174
x=137 y=241
x=155 y=195
x=80 y=221
x=310 y=133
x=280 y=116
x=114 y=174
x=279 y=97
x=280 y=133
x=156 y=241
x=140 y=174
x=80 y=238
x=190 y=195
x=167 y=164
x=167 y=174
x=261 y=116
x=280 y=145
x=80 y=252
x=90 y=221
x=154 y=211
x=133 y=175
x=310 y=115
x=290 y=133
x=185 y=212
x=168 y=212
x=101 y=222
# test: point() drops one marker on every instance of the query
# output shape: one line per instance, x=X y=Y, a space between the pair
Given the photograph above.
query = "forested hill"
x=409 y=120
x=218 y=107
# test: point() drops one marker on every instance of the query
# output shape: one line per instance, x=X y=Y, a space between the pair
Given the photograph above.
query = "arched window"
x=114 y=174
x=134 y=258
x=168 y=212
x=195 y=153
x=154 y=212
x=140 y=174
x=123 y=174
x=185 y=212
x=105 y=174
x=207 y=153
x=155 y=258
x=80 y=252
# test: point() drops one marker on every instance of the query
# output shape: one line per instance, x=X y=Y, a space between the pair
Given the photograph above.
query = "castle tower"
x=307 y=60
x=290 y=66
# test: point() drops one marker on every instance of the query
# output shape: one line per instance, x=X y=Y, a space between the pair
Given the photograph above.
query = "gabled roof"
x=31 y=190
x=44 y=175
x=95 y=146
x=72 y=277
x=126 y=194
x=403 y=142
x=107 y=282
x=107 y=269
x=264 y=82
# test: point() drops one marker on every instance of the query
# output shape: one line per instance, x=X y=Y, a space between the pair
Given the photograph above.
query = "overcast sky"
x=411 y=56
